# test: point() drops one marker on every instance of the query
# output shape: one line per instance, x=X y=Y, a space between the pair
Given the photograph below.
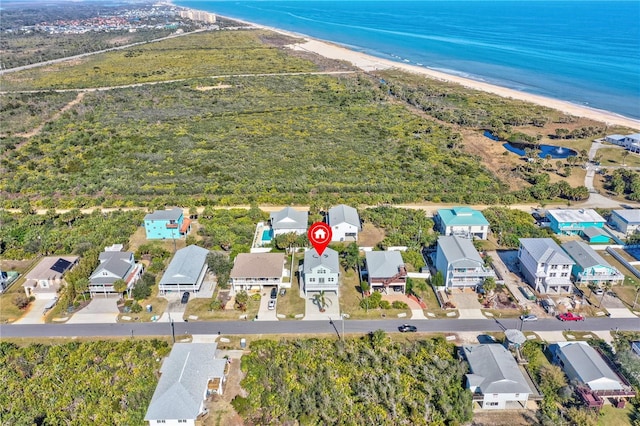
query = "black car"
x=274 y=292
x=185 y=297
x=404 y=328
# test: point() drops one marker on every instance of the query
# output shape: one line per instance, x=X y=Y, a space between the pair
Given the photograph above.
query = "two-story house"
x=573 y=221
x=114 y=266
x=386 y=269
x=545 y=266
x=462 y=222
x=289 y=220
x=590 y=267
x=166 y=224
x=344 y=222
x=320 y=272
x=626 y=221
x=45 y=279
x=254 y=271
x=460 y=263
x=186 y=272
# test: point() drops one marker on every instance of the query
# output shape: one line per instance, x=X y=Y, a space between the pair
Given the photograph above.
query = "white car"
x=272 y=304
x=599 y=291
x=528 y=317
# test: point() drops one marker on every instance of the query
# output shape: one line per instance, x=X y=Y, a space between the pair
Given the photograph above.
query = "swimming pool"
x=266 y=235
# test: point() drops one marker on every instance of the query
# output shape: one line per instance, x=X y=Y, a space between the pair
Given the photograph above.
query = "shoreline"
x=370 y=63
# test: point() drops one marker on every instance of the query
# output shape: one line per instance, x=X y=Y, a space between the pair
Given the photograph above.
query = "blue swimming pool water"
x=553 y=151
x=266 y=235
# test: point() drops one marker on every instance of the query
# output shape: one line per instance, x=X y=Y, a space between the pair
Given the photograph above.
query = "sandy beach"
x=370 y=63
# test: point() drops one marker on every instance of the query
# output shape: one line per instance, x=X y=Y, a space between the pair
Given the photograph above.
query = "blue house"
x=573 y=221
x=590 y=267
x=166 y=224
x=462 y=222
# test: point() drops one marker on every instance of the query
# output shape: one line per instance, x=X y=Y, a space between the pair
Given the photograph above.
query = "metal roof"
x=185 y=373
x=587 y=363
x=458 y=216
x=494 y=370
x=459 y=251
x=329 y=260
x=628 y=215
x=585 y=256
x=593 y=231
x=383 y=264
x=44 y=269
x=289 y=218
x=343 y=214
x=575 y=215
x=186 y=266
x=171 y=214
x=258 y=265
x=545 y=250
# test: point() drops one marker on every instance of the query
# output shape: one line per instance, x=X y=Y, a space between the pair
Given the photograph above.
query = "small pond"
x=552 y=150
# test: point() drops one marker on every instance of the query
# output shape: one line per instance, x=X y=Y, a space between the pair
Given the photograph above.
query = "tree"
x=606 y=287
x=241 y=300
x=351 y=256
x=286 y=241
x=321 y=300
x=437 y=280
x=220 y=264
x=119 y=286
x=489 y=285
x=625 y=154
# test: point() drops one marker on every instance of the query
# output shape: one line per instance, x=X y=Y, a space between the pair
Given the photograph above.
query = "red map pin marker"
x=319 y=236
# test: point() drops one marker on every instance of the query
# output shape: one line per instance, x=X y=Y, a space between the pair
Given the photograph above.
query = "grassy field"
x=616 y=157
x=291 y=304
x=201 y=308
x=8 y=310
x=609 y=415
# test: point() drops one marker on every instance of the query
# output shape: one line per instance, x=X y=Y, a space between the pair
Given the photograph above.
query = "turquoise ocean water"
x=585 y=52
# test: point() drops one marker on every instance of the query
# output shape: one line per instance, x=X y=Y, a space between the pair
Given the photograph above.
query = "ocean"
x=584 y=52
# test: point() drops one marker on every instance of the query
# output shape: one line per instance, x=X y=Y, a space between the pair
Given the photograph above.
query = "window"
x=495 y=395
x=312 y=280
x=491 y=404
x=554 y=266
x=564 y=274
x=517 y=395
x=552 y=274
x=331 y=280
x=161 y=421
x=322 y=271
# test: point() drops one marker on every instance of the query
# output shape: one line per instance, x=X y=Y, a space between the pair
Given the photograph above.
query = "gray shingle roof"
x=587 y=363
x=183 y=383
x=344 y=214
x=329 y=260
x=186 y=265
x=584 y=255
x=383 y=264
x=115 y=262
x=494 y=370
x=258 y=265
x=289 y=218
x=459 y=250
x=628 y=215
x=545 y=250
x=171 y=214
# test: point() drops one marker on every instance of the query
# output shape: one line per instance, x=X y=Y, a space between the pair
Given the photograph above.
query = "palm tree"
x=605 y=288
x=321 y=300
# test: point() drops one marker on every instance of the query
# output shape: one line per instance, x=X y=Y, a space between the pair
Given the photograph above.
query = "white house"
x=615 y=139
x=590 y=267
x=114 y=266
x=545 y=266
x=494 y=377
x=289 y=220
x=632 y=142
x=186 y=271
x=254 y=271
x=460 y=263
x=188 y=376
x=462 y=222
x=45 y=279
x=320 y=272
x=386 y=269
x=626 y=221
x=344 y=222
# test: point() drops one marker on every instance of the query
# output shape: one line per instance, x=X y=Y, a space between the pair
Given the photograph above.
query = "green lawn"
x=616 y=157
x=350 y=298
x=291 y=304
x=202 y=309
x=609 y=415
x=9 y=312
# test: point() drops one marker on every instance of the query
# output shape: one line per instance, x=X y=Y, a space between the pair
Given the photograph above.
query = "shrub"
x=397 y=304
x=384 y=304
x=136 y=308
x=217 y=305
x=21 y=301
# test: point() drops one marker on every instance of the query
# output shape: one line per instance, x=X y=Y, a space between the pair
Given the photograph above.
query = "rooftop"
x=258 y=265
x=186 y=266
x=462 y=216
x=584 y=255
x=329 y=260
x=171 y=214
x=289 y=218
x=494 y=370
x=459 y=250
x=344 y=214
x=383 y=264
x=575 y=215
x=51 y=268
x=545 y=250
x=628 y=215
x=587 y=363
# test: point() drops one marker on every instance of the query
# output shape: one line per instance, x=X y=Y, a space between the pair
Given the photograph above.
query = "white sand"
x=371 y=63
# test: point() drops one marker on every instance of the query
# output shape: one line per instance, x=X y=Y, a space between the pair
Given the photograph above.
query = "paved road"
x=309 y=327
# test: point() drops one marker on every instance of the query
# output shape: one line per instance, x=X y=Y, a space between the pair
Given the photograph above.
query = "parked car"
x=570 y=316
x=283 y=291
x=274 y=292
x=404 y=328
x=529 y=317
x=599 y=291
x=185 y=297
x=272 y=304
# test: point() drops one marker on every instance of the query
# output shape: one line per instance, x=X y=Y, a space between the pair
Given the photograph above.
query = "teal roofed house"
x=166 y=224
x=590 y=267
x=462 y=222
x=573 y=221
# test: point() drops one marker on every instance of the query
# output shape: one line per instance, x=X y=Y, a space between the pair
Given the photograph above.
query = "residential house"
x=545 y=266
x=596 y=235
x=166 y=224
x=289 y=220
x=460 y=263
x=320 y=272
x=495 y=378
x=626 y=221
x=573 y=221
x=462 y=222
x=632 y=142
x=254 y=271
x=386 y=269
x=114 y=266
x=186 y=272
x=584 y=365
x=188 y=377
x=45 y=279
x=344 y=222
x=615 y=139
x=589 y=266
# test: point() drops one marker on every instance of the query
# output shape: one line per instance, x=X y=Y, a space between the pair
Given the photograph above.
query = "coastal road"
x=309 y=327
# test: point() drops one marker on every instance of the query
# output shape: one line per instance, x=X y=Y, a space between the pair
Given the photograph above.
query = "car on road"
x=272 y=304
x=274 y=292
x=529 y=317
x=570 y=316
x=404 y=328
x=185 y=297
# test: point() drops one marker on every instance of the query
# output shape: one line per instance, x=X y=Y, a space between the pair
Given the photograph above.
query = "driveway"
x=175 y=309
x=467 y=303
x=615 y=307
x=264 y=314
x=34 y=313
x=332 y=311
x=100 y=310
